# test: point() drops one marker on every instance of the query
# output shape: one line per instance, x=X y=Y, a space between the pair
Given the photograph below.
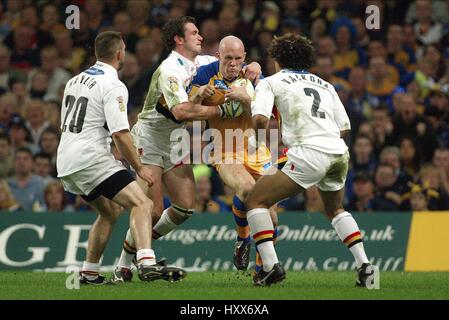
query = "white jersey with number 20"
x=312 y=114
x=93 y=108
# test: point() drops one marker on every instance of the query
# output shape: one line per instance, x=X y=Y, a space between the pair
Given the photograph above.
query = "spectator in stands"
x=35 y=117
x=362 y=38
x=427 y=30
x=269 y=18
x=95 y=15
x=363 y=158
x=84 y=37
x=395 y=72
x=411 y=156
x=6 y=157
x=7 y=200
x=211 y=37
x=20 y=135
x=56 y=75
x=204 y=9
x=38 y=84
x=388 y=197
x=139 y=11
x=26 y=187
x=148 y=54
x=228 y=24
x=439 y=11
x=23 y=55
x=391 y=156
x=326 y=46
x=397 y=53
x=55 y=198
x=347 y=56
x=70 y=58
x=43 y=167
x=123 y=24
x=325 y=69
x=318 y=29
x=430 y=177
x=441 y=162
x=380 y=84
x=408 y=122
x=30 y=18
x=49 y=143
x=439 y=125
x=382 y=127
x=8 y=108
x=19 y=90
x=7 y=72
x=363 y=193
x=50 y=21
x=136 y=84
x=419 y=200
x=53 y=110
x=360 y=103
x=434 y=54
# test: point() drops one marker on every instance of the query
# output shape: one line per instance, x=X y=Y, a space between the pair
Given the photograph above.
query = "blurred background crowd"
x=394 y=83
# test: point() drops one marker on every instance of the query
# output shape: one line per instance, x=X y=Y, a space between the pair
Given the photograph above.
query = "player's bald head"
x=231 y=43
x=231 y=53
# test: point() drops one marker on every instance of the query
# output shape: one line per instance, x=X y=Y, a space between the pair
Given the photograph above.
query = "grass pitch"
x=230 y=286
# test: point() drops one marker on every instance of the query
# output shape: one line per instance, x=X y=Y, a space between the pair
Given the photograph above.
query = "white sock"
x=128 y=252
x=146 y=257
x=348 y=231
x=164 y=225
x=262 y=230
x=90 y=270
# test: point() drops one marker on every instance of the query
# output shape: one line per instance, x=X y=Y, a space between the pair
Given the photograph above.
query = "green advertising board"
x=306 y=241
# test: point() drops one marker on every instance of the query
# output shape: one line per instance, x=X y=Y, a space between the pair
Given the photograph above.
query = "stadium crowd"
x=393 y=81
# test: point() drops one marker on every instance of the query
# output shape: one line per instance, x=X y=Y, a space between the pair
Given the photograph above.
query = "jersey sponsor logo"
x=121 y=105
x=173 y=84
x=220 y=84
x=94 y=71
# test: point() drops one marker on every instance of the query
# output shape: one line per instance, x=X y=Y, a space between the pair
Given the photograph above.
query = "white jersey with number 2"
x=93 y=108
x=312 y=114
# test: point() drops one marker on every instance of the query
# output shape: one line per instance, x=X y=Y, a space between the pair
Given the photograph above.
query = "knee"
x=145 y=204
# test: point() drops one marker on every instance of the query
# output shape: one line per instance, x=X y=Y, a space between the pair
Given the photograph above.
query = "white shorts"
x=154 y=146
x=308 y=167
x=84 y=181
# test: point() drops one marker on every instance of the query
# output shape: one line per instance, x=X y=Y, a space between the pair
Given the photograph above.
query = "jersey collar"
x=295 y=71
x=106 y=67
x=188 y=65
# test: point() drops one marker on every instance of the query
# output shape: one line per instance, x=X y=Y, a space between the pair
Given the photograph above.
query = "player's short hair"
x=292 y=51
x=175 y=27
x=107 y=43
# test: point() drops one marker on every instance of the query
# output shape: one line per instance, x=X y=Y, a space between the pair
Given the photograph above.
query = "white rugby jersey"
x=168 y=88
x=311 y=112
x=93 y=108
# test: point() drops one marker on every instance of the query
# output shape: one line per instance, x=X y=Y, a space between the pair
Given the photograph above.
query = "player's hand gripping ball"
x=234 y=108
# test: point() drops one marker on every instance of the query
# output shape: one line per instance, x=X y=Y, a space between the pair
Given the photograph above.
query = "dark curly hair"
x=175 y=27
x=292 y=51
